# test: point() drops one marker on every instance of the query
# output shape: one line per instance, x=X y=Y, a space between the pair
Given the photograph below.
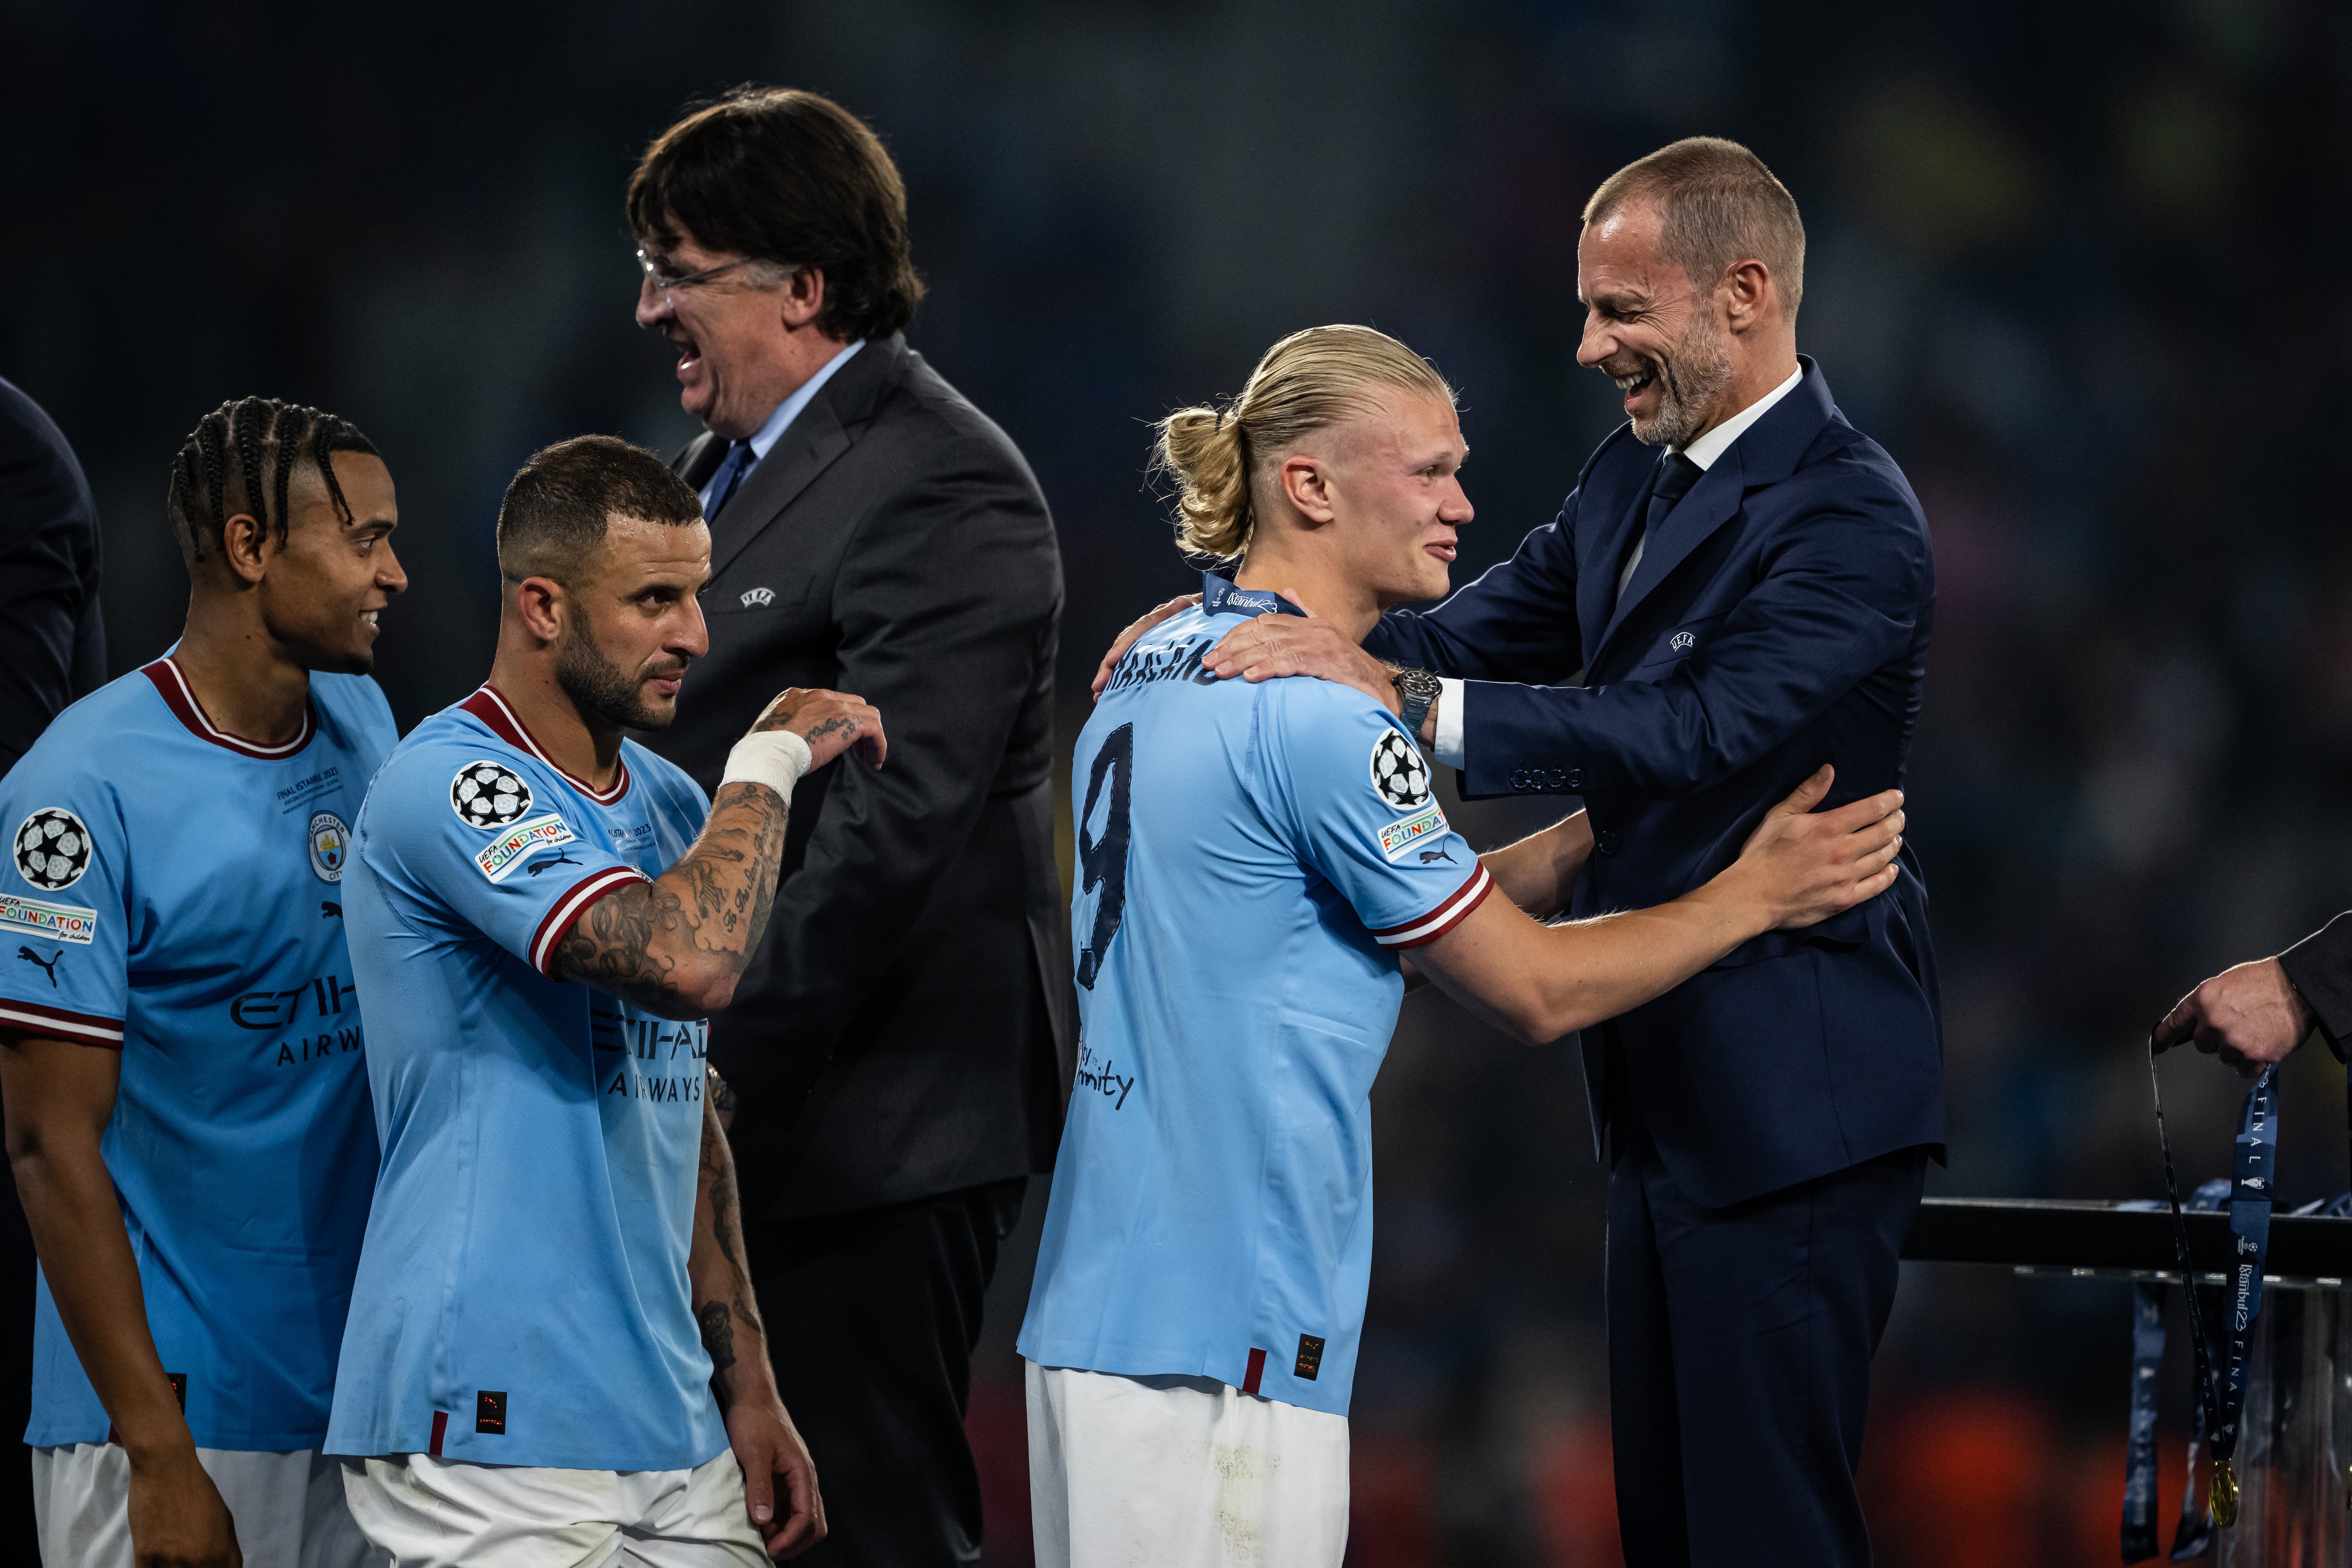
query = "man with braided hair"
x=187 y=1107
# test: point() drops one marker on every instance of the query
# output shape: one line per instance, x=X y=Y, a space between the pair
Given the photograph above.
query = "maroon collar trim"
x=492 y=710
x=172 y=686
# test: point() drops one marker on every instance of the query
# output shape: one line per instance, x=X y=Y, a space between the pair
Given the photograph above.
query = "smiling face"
x=1648 y=329
x=320 y=591
x=1395 y=490
x=734 y=359
x=634 y=624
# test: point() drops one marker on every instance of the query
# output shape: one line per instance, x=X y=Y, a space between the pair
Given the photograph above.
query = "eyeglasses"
x=664 y=281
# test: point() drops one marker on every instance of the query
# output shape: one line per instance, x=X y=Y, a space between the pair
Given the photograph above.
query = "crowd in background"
x=2068 y=263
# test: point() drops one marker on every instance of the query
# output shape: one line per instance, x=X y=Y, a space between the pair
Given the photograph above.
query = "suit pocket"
x=1672 y=645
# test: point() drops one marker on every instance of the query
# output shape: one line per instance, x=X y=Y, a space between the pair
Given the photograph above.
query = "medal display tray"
x=2294 y=1456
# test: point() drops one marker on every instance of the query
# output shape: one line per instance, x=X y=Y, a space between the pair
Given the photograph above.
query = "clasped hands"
x=1268 y=646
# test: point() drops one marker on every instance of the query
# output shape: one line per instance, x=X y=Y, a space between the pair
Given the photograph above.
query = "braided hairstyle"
x=1307 y=382
x=220 y=470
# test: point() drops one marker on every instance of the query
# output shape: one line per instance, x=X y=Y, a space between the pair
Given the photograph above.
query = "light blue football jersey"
x=523 y=1298
x=1251 y=859
x=175 y=893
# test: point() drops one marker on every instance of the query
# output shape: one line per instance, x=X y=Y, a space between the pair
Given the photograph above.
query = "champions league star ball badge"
x=52 y=848
x=330 y=841
x=488 y=796
x=1398 y=774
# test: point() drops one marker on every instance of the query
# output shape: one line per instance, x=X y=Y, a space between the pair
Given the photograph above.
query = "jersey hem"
x=401 y=1447
x=1448 y=914
x=81 y=1028
x=568 y=909
x=1178 y=1364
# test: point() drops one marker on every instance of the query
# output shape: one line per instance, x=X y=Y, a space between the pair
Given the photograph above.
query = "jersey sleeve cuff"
x=57 y=1024
x=1440 y=920
x=567 y=909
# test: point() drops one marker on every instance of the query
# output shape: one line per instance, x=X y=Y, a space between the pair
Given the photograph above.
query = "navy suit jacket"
x=1778 y=621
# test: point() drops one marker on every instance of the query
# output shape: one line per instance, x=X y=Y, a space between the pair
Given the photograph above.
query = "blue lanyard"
x=2221 y=1393
x=2192 y=1536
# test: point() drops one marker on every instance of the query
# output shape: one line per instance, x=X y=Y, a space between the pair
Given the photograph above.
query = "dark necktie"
x=730 y=474
x=1676 y=474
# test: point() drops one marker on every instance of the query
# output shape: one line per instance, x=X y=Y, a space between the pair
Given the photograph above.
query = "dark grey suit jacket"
x=908 y=1027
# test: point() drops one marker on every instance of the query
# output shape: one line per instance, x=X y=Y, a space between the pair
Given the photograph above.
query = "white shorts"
x=439 y=1514
x=289 y=1507
x=1181 y=1472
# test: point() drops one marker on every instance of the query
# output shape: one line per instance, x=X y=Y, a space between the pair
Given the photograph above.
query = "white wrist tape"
x=776 y=757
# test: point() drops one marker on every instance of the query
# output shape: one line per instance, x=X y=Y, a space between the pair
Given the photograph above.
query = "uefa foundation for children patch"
x=1422 y=827
x=500 y=856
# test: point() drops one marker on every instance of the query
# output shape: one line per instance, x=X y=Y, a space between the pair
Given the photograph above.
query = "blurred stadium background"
x=2074 y=264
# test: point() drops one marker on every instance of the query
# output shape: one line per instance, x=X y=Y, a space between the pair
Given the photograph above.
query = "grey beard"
x=1699 y=368
x=596 y=685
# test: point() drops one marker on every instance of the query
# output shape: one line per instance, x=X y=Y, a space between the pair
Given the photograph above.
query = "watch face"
x=1419 y=683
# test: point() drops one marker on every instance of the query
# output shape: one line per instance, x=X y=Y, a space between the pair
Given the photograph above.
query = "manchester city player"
x=1253 y=862
x=543 y=913
x=186 y=1090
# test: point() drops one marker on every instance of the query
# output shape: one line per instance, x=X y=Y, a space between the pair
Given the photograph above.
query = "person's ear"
x=244 y=545
x=1747 y=291
x=542 y=605
x=804 y=296
x=1307 y=484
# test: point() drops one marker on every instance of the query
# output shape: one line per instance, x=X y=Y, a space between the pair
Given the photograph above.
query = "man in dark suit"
x=1694 y=633
x=52 y=651
x=902 y=1045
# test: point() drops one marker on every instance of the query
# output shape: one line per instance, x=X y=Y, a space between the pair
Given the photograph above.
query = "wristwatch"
x=1420 y=690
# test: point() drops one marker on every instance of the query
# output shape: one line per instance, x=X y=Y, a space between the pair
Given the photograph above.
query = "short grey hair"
x=1719 y=204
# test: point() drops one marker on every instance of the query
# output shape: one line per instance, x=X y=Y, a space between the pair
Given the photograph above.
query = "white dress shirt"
x=768 y=435
x=1704 y=452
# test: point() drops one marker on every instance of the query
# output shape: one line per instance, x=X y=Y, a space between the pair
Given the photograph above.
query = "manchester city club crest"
x=1398 y=774
x=52 y=848
x=331 y=844
x=486 y=796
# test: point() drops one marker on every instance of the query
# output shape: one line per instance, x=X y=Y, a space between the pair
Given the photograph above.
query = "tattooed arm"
x=677 y=945
x=765 y=1442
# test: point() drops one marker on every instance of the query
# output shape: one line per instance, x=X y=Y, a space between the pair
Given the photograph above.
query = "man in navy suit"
x=1738 y=590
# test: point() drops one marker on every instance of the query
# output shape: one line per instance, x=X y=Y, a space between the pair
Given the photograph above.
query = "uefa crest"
x=330 y=845
x=759 y=598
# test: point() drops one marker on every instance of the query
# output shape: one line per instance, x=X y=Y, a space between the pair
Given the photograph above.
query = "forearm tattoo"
x=715 y=900
x=731 y=1302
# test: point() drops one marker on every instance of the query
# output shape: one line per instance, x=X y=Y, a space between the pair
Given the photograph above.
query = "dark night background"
x=2075 y=264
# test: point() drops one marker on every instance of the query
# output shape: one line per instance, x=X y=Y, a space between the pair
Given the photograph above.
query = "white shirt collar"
x=1717 y=441
x=790 y=408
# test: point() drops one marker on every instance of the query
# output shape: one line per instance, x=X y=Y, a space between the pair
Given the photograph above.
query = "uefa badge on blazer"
x=330 y=843
x=487 y=795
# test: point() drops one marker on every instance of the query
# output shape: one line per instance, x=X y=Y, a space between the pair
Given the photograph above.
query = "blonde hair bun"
x=1309 y=382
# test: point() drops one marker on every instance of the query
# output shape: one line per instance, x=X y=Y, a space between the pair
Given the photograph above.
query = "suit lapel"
x=1711 y=503
x=1596 y=575
x=700 y=460
x=1765 y=454
x=806 y=448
